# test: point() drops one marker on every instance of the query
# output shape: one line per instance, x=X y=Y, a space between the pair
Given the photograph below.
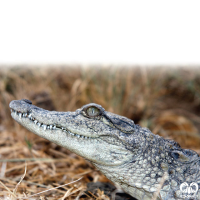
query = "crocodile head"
x=91 y=132
x=129 y=155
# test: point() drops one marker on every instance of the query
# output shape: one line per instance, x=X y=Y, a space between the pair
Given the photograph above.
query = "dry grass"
x=163 y=99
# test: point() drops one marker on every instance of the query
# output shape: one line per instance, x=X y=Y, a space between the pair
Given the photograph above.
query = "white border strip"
x=101 y=57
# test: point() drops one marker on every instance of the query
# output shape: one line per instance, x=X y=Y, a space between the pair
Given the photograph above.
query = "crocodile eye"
x=92 y=111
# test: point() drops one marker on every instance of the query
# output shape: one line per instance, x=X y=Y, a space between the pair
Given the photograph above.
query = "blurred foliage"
x=164 y=99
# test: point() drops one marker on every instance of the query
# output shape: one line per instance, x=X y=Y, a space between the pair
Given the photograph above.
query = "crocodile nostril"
x=27 y=101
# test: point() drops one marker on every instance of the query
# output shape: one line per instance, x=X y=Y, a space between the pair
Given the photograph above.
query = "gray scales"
x=129 y=155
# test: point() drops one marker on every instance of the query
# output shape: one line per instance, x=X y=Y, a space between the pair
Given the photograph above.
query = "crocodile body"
x=129 y=155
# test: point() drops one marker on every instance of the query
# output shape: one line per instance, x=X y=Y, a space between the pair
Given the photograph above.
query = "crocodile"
x=144 y=165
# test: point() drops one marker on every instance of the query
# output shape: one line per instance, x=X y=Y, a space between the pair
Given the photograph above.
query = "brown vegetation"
x=165 y=100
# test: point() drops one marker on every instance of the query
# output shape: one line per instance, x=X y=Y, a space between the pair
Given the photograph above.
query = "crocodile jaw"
x=58 y=127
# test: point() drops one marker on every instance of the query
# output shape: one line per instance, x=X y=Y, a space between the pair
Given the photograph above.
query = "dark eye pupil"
x=93 y=111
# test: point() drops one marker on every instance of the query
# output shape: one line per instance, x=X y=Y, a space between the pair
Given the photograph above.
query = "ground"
x=164 y=99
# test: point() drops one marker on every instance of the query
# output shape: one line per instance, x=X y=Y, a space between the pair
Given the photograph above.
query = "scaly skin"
x=129 y=155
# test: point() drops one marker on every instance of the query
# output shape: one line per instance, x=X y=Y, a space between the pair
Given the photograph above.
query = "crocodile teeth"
x=44 y=127
x=29 y=116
